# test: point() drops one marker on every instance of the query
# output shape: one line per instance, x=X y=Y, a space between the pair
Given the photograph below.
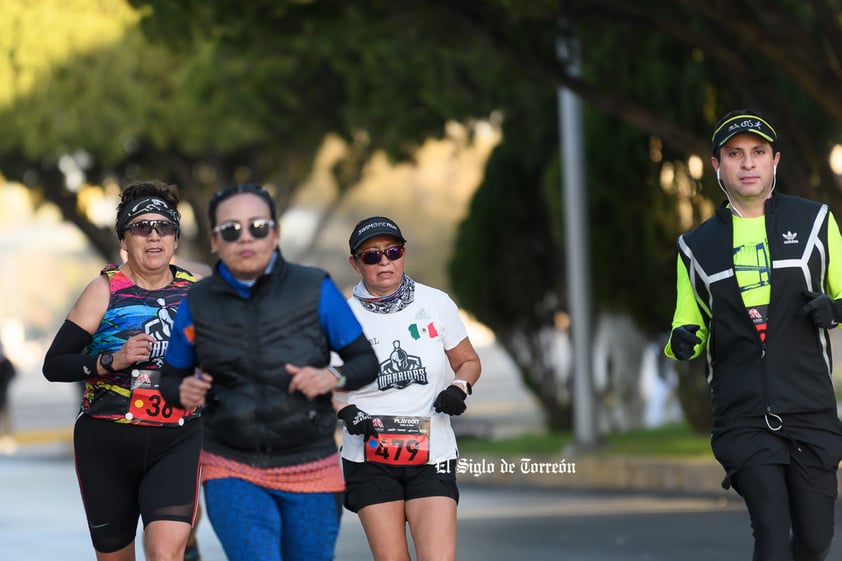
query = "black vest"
x=245 y=344
x=790 y=372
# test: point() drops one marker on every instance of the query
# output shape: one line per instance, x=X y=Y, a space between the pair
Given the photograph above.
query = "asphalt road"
x=41 y=519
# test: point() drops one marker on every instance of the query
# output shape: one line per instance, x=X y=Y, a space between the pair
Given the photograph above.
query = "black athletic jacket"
x=790 y=371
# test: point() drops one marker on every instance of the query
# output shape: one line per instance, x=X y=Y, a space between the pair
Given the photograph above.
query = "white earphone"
x=717 y=173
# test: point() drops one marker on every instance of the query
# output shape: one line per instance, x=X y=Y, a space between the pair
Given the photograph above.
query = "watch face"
x=106 y=359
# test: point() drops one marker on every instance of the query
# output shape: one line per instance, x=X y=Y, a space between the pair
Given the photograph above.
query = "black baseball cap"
x=738 y=122
x=371 y=227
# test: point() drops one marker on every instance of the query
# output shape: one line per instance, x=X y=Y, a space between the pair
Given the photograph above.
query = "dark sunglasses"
x=145 y=227
x=373 y=257
x=259 y=229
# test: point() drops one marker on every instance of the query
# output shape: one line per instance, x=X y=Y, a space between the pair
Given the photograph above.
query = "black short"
x=813 y=441
x=129 y=471
x=368 y=483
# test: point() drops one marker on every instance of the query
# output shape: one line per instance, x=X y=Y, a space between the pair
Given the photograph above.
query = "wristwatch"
x=464 y=384
x=106 y=359
x=340 y=377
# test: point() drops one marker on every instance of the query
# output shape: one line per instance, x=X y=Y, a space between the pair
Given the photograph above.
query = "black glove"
x=358 y=421
x=822 y=309
x=683 y=340
x=451 y=400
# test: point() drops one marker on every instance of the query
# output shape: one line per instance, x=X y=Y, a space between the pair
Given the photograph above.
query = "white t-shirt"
x=410 y=345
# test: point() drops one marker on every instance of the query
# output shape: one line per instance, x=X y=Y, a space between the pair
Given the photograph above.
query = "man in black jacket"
x=759 y=286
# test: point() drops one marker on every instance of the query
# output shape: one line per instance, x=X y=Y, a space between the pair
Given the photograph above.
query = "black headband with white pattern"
x=146 y=205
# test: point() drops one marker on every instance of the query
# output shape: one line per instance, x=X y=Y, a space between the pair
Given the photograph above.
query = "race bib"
x=403 y=441
x=147 y=405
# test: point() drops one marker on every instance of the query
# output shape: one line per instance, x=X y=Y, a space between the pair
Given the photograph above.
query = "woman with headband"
x=262 y=330
x=759 y=286
x=136 y=456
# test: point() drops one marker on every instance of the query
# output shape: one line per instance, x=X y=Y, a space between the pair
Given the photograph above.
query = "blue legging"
x=258 y=524
x=792 y=516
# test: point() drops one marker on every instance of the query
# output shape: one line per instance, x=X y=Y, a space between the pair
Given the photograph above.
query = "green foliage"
x=339 y=67
x=506 y=266
x=669 y=440
x=544 y=444
x=633 y=225
x=676 y=440
x=48 y=108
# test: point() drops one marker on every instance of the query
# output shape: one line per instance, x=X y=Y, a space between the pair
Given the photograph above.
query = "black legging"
x=792 y=517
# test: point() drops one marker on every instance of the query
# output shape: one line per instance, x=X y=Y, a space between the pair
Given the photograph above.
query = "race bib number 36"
x=147 y=405
x=403 y=441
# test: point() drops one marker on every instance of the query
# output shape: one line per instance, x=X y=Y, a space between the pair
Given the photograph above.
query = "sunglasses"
x=373 y=257
x=259 y=229
x=145 y=227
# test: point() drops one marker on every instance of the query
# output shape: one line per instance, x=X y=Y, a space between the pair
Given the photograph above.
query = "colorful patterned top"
x=131 y=395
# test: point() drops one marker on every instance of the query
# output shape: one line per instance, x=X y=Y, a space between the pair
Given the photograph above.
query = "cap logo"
x=746 y=124
x=742 y=123
x=367 y=227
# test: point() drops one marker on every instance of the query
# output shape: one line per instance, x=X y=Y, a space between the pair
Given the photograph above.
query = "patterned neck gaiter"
x=395 y=302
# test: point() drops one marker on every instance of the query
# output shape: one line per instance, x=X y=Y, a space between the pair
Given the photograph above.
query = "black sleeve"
x=361 y=364
x=171 y=378
x=64 y=361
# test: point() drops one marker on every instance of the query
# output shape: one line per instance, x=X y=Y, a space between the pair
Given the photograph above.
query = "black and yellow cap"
x=744 y=122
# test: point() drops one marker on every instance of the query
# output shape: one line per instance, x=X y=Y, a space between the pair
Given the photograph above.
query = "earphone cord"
x=734 y=208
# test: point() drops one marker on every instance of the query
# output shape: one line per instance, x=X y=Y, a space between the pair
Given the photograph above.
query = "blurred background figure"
x=7 y=373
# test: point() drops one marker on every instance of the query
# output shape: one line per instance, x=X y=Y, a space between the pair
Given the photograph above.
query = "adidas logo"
x=790 y=237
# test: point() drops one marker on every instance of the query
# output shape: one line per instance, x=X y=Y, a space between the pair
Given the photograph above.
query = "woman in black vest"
x=262 y=330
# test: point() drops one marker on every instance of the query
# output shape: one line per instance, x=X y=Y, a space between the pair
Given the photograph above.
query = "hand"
x=821 y=309
x=451 y=401
x=358 y=421
x=310 y=381
x=137 y=348
x=684 y=340
x=193 y=389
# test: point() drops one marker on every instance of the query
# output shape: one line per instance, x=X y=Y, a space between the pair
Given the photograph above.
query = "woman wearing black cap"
x=398 y=448
x=135 y=456
x=759 y=286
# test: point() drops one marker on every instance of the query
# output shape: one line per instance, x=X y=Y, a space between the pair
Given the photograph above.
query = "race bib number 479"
x=403 y=441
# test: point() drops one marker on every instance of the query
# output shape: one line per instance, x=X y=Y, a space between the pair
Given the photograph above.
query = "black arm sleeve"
x=64 y=361
x=361 y=364
x=171 y=378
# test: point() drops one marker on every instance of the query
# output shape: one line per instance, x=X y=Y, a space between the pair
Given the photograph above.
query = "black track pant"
x=792 y=512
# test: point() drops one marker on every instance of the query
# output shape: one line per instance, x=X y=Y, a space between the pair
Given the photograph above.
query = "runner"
x=398 y=448
x=135 y=456
x=262 y=329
